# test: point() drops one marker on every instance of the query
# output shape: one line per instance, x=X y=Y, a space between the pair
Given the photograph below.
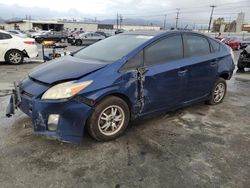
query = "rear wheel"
x=78 y=42
x=14 y=57
x=109 y=119
x=218 y=92
x=240 y=64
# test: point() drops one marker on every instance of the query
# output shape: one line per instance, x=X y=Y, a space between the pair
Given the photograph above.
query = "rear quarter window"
x=215 y=46
x=4 y=36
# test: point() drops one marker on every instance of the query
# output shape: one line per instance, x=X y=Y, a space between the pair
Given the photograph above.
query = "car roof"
x=161 y=32
x=2 y=31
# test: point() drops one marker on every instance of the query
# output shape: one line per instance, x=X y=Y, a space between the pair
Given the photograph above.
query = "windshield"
x=112 y=48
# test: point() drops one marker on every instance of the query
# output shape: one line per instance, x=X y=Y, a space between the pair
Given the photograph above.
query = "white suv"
x=13 y=48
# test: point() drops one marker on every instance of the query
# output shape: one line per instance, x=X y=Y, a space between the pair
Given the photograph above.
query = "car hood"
x=65 y=68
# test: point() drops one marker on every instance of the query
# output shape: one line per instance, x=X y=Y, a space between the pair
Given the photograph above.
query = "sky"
x=191 y=11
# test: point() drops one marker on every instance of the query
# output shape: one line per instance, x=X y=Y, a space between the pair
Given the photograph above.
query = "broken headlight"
x=65 y=90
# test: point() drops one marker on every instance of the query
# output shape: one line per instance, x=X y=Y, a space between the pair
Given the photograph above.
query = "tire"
x=240 y=64
x=104 y=124
x=78 y=42
x=14 y=57
x=218 y=93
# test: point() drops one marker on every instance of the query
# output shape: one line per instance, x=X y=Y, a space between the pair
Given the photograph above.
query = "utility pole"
x=177 y=18
x=211 y=16
x=121 y=19
x=117 y=20
x=165 y=18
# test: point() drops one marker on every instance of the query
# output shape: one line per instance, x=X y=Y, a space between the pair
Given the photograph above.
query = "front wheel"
x=109 y=119
x=218 y=92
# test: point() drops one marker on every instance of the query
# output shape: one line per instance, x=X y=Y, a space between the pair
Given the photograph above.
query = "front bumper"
x=72 y=117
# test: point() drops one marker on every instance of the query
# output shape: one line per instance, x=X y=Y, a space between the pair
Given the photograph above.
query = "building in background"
x=69 y=25
x=220 y=25
x=240 y=21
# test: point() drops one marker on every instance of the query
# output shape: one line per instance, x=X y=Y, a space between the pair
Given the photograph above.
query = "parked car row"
x=234 y=42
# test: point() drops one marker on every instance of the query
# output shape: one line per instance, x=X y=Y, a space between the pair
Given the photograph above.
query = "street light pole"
x=211 y=16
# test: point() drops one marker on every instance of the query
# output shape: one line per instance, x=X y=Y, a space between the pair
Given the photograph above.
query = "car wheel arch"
x=12 y=50
x=224 y=75
x=116 y=94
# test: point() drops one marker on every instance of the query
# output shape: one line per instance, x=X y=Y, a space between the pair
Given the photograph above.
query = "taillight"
x=28 y=42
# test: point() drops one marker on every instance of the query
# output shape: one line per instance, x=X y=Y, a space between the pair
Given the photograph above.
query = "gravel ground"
x=198 y=146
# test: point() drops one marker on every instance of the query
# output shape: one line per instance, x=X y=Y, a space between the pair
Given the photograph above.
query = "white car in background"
x=14 y=49
x=17 y=33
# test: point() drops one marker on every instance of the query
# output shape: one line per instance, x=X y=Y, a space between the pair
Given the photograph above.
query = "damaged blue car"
x=102 y=87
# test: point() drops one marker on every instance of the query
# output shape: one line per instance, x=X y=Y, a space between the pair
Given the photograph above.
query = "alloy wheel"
x=15 y=57
x=219 y=92
x=111 y=120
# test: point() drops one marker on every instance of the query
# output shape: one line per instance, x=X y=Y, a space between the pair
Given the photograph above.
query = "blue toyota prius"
x=102 y=87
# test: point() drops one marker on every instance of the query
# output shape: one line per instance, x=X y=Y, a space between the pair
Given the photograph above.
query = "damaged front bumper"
x=63 y=120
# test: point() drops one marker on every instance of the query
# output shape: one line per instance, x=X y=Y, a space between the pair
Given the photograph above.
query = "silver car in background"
x=87 y=38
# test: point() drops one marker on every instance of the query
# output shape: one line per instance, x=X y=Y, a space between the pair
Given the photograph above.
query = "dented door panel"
x=163 y=87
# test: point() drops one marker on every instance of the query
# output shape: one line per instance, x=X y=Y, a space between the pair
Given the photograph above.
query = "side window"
x=196 y=45
x=165 y=50
x=5 y=36
x=134 y=62
x=215 y=46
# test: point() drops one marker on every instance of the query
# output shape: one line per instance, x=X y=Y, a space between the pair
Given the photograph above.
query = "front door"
x=164 y=74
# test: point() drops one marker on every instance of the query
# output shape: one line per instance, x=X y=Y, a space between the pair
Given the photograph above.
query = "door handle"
x=213 y=63
x=182 y=71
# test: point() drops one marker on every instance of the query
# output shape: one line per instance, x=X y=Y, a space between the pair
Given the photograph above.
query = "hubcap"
x=15 y=57
x=111 y=120
x=219 y=92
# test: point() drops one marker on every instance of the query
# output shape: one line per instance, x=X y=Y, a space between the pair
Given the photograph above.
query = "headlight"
x=65 y=90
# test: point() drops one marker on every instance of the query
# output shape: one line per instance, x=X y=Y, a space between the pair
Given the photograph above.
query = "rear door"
x=202 y=66
x=164 y=74
x=4 y=43
x=88 y=39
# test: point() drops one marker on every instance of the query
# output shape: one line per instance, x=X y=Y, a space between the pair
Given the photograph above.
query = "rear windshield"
x=112 y=48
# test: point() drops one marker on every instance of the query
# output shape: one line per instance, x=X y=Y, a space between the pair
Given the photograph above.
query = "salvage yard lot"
x=198 y=146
